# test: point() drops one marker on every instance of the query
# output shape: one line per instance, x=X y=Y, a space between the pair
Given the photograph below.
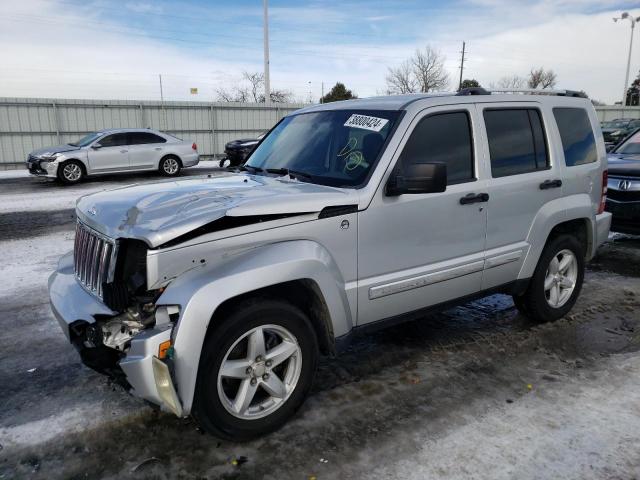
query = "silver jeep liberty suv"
x=214 y=297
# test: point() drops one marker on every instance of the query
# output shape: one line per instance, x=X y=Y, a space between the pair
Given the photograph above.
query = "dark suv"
x=623 y=195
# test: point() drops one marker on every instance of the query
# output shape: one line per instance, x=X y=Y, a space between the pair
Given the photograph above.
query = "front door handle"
x=124 y=151
x=474 y=198
x=547 y=184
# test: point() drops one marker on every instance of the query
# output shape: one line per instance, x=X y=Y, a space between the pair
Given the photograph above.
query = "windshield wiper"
x=250 y=168
x=288 y=171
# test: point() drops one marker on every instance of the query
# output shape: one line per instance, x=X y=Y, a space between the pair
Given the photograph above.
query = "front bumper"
x=42 y=168
x=75 y=308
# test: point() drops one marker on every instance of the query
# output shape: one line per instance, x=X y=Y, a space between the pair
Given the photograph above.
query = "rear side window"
x=139 y=138
x=578 y=142
x=443 y=138
x=516 y=141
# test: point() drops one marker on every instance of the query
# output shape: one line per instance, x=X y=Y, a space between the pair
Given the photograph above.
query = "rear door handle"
x=474 y=198
x=547 y=184
x=124 y=151
x=158 y=148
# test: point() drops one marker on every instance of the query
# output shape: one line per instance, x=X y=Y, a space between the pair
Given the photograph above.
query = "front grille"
x=623 y=195
x=94 y=258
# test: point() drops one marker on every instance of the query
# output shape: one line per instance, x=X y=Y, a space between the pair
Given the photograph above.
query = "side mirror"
x=96 y=146
x=418 y=178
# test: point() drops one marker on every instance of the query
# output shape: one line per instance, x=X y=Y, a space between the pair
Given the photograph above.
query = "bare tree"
x=512 y=82
x=256 y=81
x=428 y=69
x=250 y=90
x=423 y=72
x=401 y=79
x=541 y=78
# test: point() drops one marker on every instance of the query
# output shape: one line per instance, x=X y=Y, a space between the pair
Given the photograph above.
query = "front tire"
x=170 y=166
x=256 y=369
x=71 y=172
x=556 y=282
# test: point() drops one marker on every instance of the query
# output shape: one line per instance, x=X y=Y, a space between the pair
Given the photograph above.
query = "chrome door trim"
x=503 y=259
x=424 y=280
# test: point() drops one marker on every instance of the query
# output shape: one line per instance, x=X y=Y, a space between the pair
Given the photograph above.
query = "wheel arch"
x=300 y=271
x=573 y=214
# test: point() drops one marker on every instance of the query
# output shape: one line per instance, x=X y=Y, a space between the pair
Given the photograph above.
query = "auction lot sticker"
x=366 y=122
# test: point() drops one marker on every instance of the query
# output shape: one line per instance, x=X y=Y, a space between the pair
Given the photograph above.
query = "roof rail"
x=539 y=91
x=473 y=91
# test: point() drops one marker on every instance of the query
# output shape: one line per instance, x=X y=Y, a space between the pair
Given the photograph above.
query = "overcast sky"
x=116 y=49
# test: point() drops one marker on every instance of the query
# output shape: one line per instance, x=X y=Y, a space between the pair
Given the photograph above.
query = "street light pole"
x=267 y=87
x=626 y=77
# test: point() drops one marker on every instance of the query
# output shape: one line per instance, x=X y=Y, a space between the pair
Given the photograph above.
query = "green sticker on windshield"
x=366 y=122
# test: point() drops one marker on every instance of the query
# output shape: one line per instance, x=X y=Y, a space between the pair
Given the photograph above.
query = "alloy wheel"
x=170 y=166
x=72 y=172
x=259 y=372
x=560 y=279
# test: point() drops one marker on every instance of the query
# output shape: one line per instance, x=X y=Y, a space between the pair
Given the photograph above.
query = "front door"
x=109 y=153
x=418 y=250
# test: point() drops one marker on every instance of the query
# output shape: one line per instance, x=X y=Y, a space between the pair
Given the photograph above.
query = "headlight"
x=50 y=158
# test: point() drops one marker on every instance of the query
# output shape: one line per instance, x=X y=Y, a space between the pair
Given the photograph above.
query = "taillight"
x=603 y=194
x=194 y=146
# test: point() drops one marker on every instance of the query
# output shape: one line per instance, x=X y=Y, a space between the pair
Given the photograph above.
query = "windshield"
x=86 y=140
x=632 y=145
x=338 y=147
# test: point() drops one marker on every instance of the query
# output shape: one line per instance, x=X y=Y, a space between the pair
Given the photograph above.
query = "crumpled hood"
x=623 y=164
x=47 y=151
x=159 y=212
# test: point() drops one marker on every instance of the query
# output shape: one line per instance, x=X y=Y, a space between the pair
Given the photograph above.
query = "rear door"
x=110 y=153
x=145 y=149
x=525 y=176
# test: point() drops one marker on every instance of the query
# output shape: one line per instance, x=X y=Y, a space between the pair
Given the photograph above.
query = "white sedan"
x=114 y=151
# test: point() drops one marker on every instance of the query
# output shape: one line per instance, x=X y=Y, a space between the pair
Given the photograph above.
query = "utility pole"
x=461 y=66
x=267 y=87
x=633 y=21
x=322 y=97
x=164 y=113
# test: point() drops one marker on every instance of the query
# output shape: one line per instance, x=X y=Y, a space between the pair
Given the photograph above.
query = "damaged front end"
x=100 y=298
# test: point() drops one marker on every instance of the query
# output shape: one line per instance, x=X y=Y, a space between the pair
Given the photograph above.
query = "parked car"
x=114 y=151
x=617 y=130
x=237 y=151
x=623 y=195
x=218 y=297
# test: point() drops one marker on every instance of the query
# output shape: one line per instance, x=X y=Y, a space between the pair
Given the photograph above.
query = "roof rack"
x=531 y=91
x=540 y=91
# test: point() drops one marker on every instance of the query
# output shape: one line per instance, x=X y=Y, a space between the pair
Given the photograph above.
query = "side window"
x=443 y=138
x=578 y=142
x=115 y=140
x=140 y=138
x=516 y=141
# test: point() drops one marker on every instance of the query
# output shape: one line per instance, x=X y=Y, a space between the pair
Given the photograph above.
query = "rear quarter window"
x=576 y=133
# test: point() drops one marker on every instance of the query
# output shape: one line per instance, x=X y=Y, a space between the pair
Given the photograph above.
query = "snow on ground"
x=21 y=192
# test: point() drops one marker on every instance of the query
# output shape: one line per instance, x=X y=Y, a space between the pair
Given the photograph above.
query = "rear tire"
x=556 y=282
x=234 y=368
x=71 y=172
x=170 y=166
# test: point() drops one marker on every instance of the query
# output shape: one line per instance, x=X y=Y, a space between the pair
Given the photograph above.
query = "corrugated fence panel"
x=27 y=124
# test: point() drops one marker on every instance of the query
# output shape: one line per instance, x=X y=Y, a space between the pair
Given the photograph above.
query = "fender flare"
x=200 y=292
x=552 y=214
